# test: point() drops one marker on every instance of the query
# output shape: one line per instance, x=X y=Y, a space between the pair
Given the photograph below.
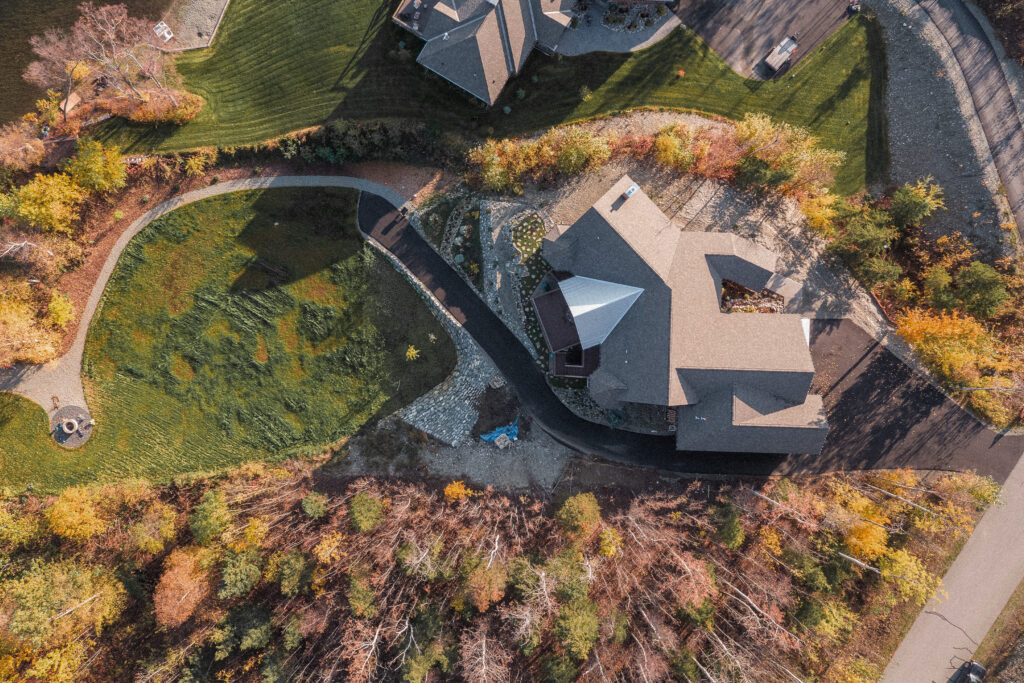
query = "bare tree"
x=484 y=658
x=60 y=64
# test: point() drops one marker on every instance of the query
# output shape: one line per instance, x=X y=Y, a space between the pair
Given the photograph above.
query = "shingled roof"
x=479 y=44
x=674 y=346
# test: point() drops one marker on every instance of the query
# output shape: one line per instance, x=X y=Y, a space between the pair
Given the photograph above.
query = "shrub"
x=980 y=287
x=577 y=149
x=937 y=282
x=579 y=514
x=456 y=491
x=314 y=505
x=61 y=310
x=161 y=109
x=911 y=204
x=365 y=511
x=808 y=613
x=673 y=147
x=211 y=518
x=609 y=542
x=728 y=530
x=576 y=628
x=559 y=669
x=293 y=571
x=876 y=271
x=758 y=173
x=156 y=527
x=866 y=233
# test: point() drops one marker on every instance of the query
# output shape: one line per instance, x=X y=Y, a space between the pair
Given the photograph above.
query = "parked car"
x=969 y=672
x=782 y=53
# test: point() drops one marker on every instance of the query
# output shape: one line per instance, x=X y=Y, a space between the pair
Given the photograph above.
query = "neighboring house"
x=633 y=304
x=479 y=44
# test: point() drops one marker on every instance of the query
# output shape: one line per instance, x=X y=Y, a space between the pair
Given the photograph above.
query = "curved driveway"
x=883 y=415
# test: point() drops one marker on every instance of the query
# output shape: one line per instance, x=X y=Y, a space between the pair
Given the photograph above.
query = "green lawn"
x=247 y=326
x=277 y=67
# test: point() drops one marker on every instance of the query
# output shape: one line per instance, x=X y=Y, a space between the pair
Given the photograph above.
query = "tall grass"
x=248 y=326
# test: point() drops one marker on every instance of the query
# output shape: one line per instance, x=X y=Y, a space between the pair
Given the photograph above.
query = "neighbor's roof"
x=478 y=44
x=675 y=333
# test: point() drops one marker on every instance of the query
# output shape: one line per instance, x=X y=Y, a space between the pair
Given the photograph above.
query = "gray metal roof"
x=596 y=306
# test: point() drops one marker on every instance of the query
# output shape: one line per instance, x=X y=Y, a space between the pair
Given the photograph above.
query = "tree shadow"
x=320 y=232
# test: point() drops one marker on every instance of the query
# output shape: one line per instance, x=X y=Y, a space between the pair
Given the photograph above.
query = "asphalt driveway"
x=744 y=31
x=883 y=415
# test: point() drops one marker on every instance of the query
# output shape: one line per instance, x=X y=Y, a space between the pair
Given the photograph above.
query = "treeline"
x=961 y=314
x=258 y=576
x=757 y=152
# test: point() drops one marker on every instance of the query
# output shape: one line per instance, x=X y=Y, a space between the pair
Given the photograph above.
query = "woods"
x=235 y=578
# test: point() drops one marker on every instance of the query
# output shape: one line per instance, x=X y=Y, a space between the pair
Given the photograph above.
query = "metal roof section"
x=597 y=306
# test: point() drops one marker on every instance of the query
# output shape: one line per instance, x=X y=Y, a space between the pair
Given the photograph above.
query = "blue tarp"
x=511 y=430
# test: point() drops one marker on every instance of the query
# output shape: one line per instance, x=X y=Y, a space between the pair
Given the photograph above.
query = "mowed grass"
x=282 y=66
x=250 y=326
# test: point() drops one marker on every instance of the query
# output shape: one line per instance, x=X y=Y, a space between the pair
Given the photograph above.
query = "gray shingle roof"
x=674 y=346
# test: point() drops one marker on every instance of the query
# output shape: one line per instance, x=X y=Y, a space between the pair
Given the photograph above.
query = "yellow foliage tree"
x=61 y=309
x=456 y=491
x=955 y=346
x=609 y=542
x=49 y=203
x=97 y=168
x=75 y=515
x=912 y=580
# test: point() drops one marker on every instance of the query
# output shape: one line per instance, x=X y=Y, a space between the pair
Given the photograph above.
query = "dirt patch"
x=497 y=408
x=1007 y=18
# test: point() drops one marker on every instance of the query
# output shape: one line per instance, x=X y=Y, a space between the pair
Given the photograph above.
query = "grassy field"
x=22 y=19
x=247 y=326
x=278 y=67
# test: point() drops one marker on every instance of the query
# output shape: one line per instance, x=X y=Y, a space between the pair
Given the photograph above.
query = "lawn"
x=282 y=66
x=249 y=326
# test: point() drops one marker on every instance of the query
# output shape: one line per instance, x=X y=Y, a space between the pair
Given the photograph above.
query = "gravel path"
x=194 y=23
x=934 y=128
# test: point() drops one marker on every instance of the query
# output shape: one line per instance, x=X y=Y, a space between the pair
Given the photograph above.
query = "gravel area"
x=591 y=35
x=194 y=23
x=934 y=129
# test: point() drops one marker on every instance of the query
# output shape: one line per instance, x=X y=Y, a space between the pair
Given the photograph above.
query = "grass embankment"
x=1002 y=639
x=283 y=66
x=242 y=327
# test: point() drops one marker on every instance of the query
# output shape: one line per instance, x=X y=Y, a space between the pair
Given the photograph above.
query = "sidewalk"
x=979 y=583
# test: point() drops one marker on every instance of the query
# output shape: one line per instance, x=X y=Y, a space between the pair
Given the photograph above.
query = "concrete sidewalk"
x=979 y=583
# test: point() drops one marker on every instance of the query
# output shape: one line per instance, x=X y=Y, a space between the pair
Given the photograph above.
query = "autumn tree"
x=97 y=168
x=48 y=202
x=484 y=581
x=55 y=602
x=576 y=628
x=579 y=515
x=60 y=63
x=183 y=586
x=314 y=505
x=211 y=518
x=365 y=511
x=21 y=147
x=76 y=515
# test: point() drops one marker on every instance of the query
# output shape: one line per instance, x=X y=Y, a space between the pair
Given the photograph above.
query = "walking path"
x=883 y=414
x=979 y=583
x=990 y=91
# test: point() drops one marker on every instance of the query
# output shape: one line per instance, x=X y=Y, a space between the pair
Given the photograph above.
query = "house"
x=633 y=304
x=479 y=44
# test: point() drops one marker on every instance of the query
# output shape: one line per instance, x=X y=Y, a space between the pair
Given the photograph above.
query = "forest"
x=273 y=573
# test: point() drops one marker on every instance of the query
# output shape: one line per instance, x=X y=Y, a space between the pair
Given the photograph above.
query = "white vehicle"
x=782 y=53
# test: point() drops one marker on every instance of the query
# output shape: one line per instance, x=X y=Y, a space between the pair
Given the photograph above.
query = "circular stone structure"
x=71 y=426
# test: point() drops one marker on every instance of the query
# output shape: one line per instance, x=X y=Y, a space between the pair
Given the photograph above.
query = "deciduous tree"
x=183 y=586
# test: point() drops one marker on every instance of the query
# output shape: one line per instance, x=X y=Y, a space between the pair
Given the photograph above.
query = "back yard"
x=249 y=326
x=283 y=66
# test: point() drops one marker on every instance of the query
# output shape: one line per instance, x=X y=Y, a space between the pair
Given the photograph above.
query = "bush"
x=314 y=505
x=808 y=613
x=758 y=173
x=365 y=511
x=559 y=669
x=211 y=518
x=980 y=287
x=876 y=271
x=911 y=204
x=579 y=514
x=937 y=282
x=61 y=310
x=866 y=233
x=76 y=515
x=48 y=203
x=728 y=530
x=360 y=597
x=576 y=628
x=293 y=571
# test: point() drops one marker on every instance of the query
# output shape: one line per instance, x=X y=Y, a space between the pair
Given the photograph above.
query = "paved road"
x=742 y=32
x=883 y=414
x=979 y=584
x=999 y=116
